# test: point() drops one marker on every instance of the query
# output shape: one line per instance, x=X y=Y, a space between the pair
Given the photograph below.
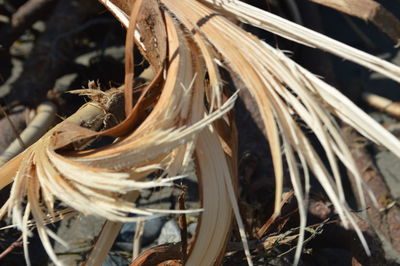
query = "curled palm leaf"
x=181 y=116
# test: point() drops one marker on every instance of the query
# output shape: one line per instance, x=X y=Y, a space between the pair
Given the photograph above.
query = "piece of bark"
x=47 y=60
x=23 y=18
x=384 y=219
x=369 y=11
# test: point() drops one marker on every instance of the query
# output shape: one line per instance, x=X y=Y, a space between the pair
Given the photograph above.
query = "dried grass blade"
x=292 y=31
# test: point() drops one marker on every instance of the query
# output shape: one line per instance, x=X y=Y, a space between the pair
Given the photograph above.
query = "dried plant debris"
x=183 y=116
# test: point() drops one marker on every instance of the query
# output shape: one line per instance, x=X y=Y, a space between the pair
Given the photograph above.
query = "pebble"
x=192 y=229
x=115 y=260
x=151 y=231
x=170 y=233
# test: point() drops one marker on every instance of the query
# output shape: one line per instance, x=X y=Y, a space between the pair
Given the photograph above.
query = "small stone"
x=115 y=260
x=192 y=229
x=63 y=83
x=170 y=233
x=151 y=231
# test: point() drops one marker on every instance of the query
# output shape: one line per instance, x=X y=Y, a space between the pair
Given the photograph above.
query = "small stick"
x=15 y=244
x=382 y=104
x=274 y=216
x=137 y=239
x=183 y=224
x=14 y=128
x=36 y=129
x=23 y=18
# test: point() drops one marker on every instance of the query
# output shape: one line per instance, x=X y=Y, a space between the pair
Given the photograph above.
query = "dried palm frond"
x=181 y=116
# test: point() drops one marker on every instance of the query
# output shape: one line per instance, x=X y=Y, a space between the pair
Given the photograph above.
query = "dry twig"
x=15 y=244
x=386 y=221
x=183 y=225
x=383 y=104
x=23 y=18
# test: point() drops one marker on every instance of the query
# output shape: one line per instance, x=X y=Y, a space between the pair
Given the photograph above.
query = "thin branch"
x=383 y=104
x=23 y=18
x=15 y=244
x=384 y=219
x=137 y=239
x=13 y=127
x=39 y=126
x=183 y=225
